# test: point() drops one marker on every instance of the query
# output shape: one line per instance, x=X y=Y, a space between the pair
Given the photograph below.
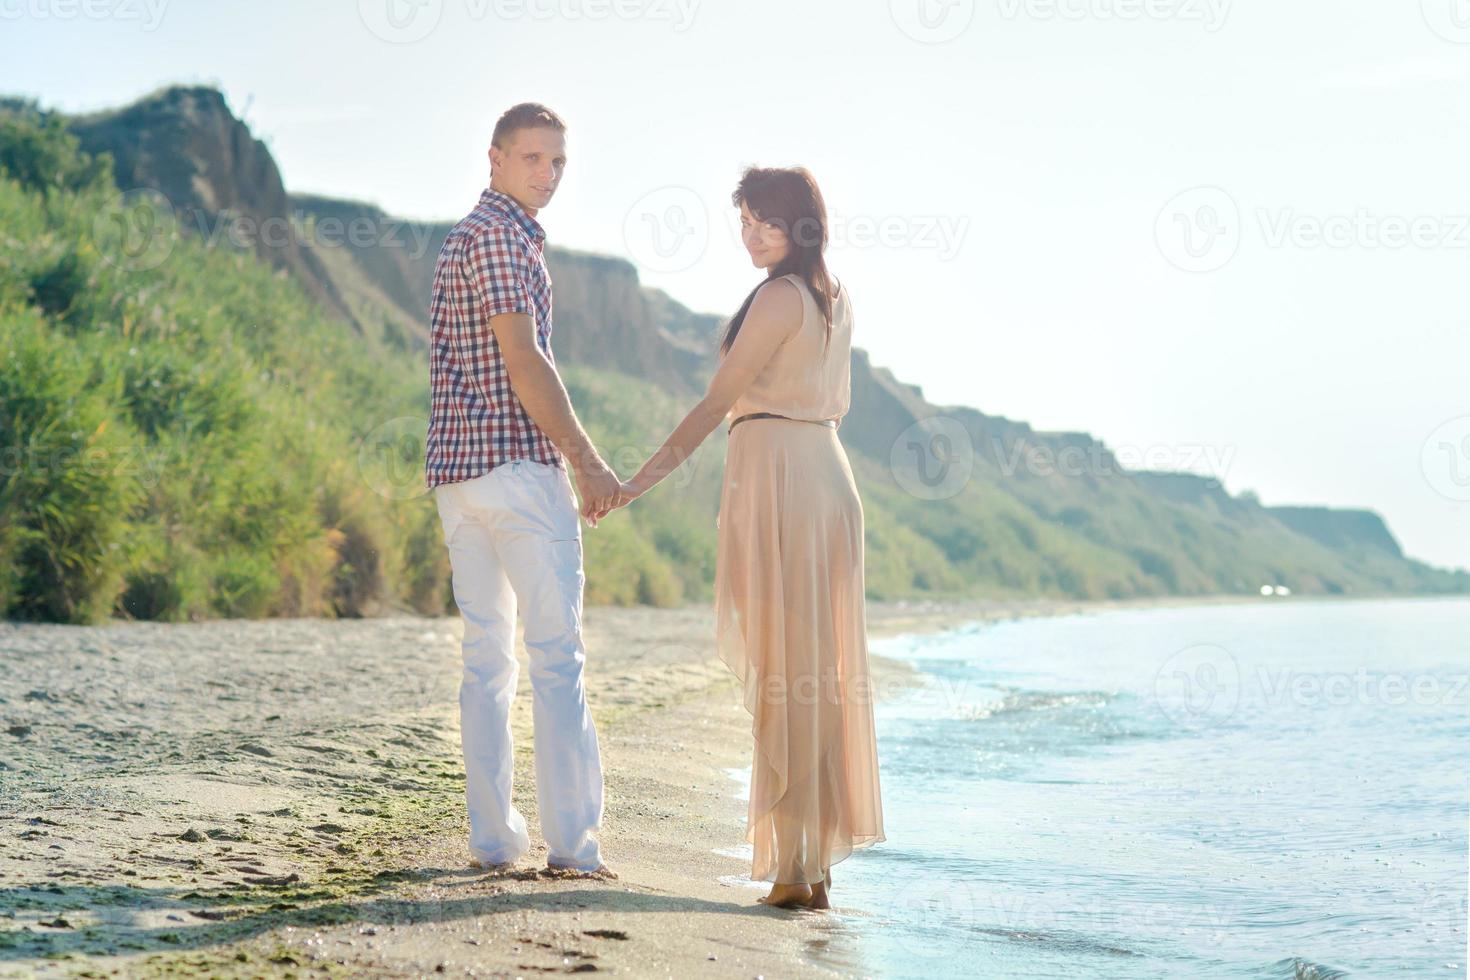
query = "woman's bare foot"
x=820 y=899
x=798 y=895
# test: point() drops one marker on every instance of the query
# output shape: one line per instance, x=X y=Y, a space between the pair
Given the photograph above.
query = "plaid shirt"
x=490 y=263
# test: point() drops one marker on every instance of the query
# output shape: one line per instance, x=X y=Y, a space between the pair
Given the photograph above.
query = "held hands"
x=627 y=493
x=602 y=492
x=598 y=487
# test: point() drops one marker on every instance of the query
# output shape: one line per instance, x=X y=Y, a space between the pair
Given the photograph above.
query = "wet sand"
x=285 y=797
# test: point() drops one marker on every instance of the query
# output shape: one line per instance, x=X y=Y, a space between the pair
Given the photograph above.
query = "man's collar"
x=495 y=200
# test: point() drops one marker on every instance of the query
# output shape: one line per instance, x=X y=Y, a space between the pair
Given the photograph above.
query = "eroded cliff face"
x=1340 y=528
x=222 y=182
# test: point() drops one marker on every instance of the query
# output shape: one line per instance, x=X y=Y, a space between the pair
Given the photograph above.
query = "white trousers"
x=513 y=534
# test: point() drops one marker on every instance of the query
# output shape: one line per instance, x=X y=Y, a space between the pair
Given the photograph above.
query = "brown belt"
x=830 y=423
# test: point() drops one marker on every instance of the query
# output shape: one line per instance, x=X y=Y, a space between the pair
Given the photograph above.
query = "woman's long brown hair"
x=788 y=198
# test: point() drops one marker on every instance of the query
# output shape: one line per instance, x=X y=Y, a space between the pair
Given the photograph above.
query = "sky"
x=1229 y=237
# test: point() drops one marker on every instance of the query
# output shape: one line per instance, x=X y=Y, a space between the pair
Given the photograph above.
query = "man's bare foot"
x=797 y=895
x=497 y=867
x=602 y=872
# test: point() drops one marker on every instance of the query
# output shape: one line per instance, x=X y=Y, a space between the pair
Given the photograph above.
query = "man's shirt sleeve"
x=498 y=270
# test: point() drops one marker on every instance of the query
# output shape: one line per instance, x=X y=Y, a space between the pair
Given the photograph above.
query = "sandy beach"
x=285 y=797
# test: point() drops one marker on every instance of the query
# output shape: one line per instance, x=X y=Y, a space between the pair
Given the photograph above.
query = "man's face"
x=530 y=166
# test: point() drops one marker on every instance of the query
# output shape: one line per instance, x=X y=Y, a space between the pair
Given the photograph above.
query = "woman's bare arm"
x=774 y=316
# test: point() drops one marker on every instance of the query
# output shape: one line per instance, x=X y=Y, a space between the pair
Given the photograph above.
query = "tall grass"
x=179 y=432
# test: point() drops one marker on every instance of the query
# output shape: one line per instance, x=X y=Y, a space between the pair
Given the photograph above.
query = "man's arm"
x=498 y=265
x=540 y=390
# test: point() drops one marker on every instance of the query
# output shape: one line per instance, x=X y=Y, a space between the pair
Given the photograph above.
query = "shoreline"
x=286 y=796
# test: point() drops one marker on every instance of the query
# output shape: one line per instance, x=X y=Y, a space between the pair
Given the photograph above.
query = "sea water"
x=1273 y=789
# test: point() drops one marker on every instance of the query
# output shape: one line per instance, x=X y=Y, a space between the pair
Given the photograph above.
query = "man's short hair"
x=527 y=115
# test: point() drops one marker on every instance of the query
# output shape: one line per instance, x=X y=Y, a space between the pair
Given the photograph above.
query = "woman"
x=789 y=575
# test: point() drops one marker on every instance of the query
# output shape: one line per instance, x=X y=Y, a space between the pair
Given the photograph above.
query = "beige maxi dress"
x=789 y=608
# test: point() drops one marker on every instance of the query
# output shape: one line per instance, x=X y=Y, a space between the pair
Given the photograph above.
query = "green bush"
x=69 y=479
x=38 y=152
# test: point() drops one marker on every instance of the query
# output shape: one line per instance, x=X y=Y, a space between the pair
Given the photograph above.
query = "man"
x=502 y=434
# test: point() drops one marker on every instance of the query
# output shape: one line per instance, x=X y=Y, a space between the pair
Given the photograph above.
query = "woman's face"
x=766 y=242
